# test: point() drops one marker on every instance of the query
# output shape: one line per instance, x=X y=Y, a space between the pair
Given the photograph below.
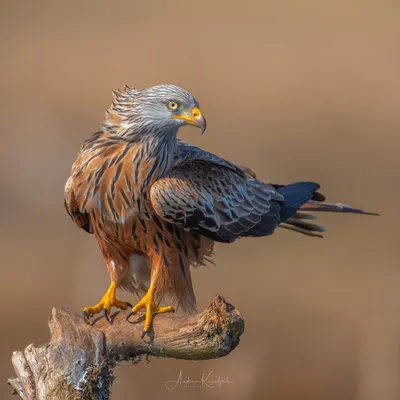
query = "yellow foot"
x=151 y=307
x=109 y=300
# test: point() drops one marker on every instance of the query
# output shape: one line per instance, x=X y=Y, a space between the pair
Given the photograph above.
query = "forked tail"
x=302 y=198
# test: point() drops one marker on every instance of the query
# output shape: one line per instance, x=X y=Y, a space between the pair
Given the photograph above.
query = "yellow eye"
x=173 y=105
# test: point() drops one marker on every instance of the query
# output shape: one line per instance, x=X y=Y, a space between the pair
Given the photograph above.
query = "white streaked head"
x=158 y=110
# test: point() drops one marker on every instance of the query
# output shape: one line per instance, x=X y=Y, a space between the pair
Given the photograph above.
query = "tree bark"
x=78 y=361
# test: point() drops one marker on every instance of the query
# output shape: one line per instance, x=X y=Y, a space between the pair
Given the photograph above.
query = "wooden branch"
x=78 y=361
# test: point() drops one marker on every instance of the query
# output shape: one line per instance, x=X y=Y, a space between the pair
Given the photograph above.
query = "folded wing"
x=216 y=199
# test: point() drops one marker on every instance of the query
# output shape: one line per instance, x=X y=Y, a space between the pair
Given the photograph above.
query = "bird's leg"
x=109 y=300
x=148 y=303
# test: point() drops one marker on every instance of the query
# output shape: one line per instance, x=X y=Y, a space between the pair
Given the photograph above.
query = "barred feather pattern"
x=155 y=203
x=108 y=195
x=166 y=202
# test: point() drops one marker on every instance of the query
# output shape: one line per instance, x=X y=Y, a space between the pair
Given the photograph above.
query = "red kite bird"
x=156 y=205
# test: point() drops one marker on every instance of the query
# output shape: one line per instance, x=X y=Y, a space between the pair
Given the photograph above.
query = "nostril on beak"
x=196 y=113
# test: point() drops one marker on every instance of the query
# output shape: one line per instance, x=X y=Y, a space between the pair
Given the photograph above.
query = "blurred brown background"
x=296 y=90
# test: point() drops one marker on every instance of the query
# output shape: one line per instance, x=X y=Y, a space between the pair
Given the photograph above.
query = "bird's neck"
x=155 y=158
x=156 y=148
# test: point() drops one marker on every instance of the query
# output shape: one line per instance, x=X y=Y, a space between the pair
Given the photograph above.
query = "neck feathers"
x=156 y=143
x=153 y=160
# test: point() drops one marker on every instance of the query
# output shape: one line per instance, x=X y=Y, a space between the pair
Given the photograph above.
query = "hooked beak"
x=195 y=118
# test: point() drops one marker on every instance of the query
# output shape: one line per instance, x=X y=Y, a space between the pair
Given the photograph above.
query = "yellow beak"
x=195 y=118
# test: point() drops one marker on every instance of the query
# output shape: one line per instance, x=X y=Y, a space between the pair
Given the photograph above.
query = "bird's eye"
x=173 y=105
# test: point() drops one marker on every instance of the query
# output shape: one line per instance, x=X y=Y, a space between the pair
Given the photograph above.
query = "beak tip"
x=201 y=123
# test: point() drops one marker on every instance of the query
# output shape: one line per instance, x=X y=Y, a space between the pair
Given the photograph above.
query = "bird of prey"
x=157 y=205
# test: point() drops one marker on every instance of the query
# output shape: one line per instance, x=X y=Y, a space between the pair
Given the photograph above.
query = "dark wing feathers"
x=215 y=198
x=223 y=201
x=187 y=153
x=297 y=194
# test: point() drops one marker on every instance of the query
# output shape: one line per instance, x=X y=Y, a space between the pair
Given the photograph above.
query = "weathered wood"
x=78 y=361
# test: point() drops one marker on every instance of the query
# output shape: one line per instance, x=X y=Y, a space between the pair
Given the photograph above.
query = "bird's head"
x=158 y=110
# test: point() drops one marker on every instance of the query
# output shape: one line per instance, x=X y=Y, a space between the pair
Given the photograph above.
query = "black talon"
x=129 y=304
x=173 y=310
x=143 y=334
x=106 y=315
x=85 y=316
x=129 y=315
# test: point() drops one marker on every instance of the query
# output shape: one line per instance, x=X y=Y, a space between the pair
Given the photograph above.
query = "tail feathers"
x=306 y=228
x=301 y=215
x=300 y=199
x=332 y=207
